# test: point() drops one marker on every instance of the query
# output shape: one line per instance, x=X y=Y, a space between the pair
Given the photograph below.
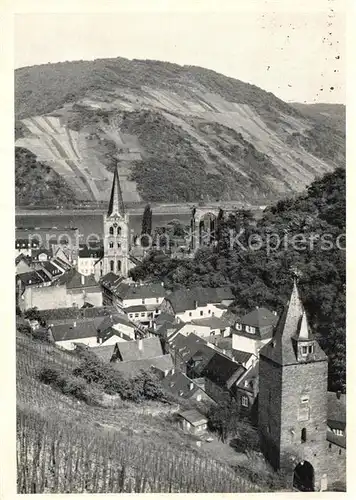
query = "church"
x=116 y=258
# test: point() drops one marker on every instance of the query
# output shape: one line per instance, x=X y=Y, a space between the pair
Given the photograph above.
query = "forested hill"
x=310 y=230
x=206 y=136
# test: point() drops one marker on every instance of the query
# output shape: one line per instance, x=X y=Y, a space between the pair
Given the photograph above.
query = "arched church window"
x=119 y=245
x=112 y=266
x=303 y=435
x=111 y=244
x=119 y=231
x=119 y=265
x=111 y=230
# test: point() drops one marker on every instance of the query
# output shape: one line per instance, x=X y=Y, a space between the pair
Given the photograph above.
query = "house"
x=51 y=270
x=41 y=255
x=254 y=330
x=184 y=348
x=87 y=258
x=36 y=289
x=164 y=324
x=178 y=384
x=188 y=328
x=217 y=325
x=23 y=264
x=193 y=421
x=140 y=301
x=25 y=246
x=143 y=354
x=104 y=352
x=70 y=333
x=245 y=392
x=115 y=328
x=336 y=430
x=220 y=374
x=197 y=303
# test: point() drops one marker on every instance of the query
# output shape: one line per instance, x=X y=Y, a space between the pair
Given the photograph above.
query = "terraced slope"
x=179 y=133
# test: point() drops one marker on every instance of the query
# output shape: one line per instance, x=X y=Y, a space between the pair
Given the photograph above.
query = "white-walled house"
x=70 y=333
x=254 y=330
x=115 y=328
x=197 y=303
x=87 y=258
x=188 y=328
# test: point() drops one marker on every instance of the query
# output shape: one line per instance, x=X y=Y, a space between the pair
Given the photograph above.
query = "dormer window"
x=307 y=349
x=238 y=326
x=250 y=329
x=304 y=400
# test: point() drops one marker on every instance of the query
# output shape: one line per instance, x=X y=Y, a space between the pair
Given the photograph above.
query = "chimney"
x=162 y=284
x=140 y=344
x=191 y=386
x=74 y=324
x=195 y=304
x=275 y=313
x=172 y=371
x=338 y=394
x=82 y=277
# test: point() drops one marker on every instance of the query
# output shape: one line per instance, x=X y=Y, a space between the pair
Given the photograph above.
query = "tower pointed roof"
x=291 y=328
x=116 y=203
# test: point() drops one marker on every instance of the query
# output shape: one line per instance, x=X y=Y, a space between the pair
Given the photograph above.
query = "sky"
x=295 y=49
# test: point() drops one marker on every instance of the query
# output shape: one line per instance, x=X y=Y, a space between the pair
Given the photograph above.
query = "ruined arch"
x=303 y=476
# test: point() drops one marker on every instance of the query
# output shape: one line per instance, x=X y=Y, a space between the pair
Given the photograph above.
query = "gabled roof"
x=61 y=264
x=291 y=328
x=259 y=317
x=67 y=313
x=111 y=281
x=185 y=300
x=126 y=291
x=74 y=330
x=181 y=385
x=24 y=258
x=72 y=279
x=194 y=417
x=104 y=352
x=222 y=371
x=249 y=379
x=162 y=363
x=86 y=252
x=163 y=318
x=116 y=203
x=186 y=347
x=241 y=356
x=37 y=252
x=129 y=351
x=213 y=322
x=114 y=319
x=32 y=278
x=140 y=308
x=51 y=269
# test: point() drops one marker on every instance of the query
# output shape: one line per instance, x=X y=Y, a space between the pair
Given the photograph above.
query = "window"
x=310 y=349
x=303 y=435
x=112 y=266
x=119 y=245
x=119 y=231
x=304 y=400
x=250 y=329
x=157 y=300
x=238 y=326
x=339 y=452
x=246 y=383
x=209 y=311
x=143 y=315
x=190 y=314
x=198 y=397
x=136 y=315
x=329 y=446
x=131 y=315
x=201 y=313
x=244 y=401
x=111 y=230
x=338 y=432
x=119 y=265
x=111 y=244
x=304 y=350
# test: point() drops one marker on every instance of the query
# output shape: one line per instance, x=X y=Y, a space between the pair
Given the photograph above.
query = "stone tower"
x=293 y=373
x=116 y=233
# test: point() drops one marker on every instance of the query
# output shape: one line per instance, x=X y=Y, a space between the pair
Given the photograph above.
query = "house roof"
x=337 y=408
x=86 y=252
x=51 y=269
x=185 y=300
x=186 y=347
x=126 y=291
x=241 y=356
x=39 y=251
x=259 y=317
x=335 y=439
x=249 y=379
x=140 y=308
x=74 y=330
x=111 y=281
x=73 y=279
x=67 y=313
x=32 y=278
x=163 y=318
x=129 y=368
x=213 y=322
x=114 y=319
x=129 y=351
x=43 y=275
x=104 y=352
x=222 y=370
x=180 y=385
x=194 y=417
x=292 y=326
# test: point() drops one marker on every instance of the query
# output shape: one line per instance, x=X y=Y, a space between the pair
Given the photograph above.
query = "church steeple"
x=292 y=340
x=116 y=204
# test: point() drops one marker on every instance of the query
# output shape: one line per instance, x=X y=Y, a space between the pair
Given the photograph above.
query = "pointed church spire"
x=116 y=204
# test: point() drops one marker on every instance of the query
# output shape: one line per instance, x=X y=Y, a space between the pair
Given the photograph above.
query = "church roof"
x=116 y=203
x=291 y=327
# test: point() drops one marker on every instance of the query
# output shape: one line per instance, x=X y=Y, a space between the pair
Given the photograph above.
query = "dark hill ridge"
x=180 y=133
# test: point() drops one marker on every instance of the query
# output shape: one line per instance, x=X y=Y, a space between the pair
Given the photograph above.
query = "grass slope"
x=64 y=445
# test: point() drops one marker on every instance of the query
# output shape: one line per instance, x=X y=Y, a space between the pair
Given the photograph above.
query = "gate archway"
x=303 y=476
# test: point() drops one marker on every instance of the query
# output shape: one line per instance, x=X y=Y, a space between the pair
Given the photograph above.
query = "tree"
x=147 y=220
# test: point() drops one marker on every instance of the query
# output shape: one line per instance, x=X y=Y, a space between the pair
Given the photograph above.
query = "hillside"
x=180 y=133
x=67 y=446
x=332 y=114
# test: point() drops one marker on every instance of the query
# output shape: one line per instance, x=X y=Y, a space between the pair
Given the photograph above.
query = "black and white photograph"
x=180 y=247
